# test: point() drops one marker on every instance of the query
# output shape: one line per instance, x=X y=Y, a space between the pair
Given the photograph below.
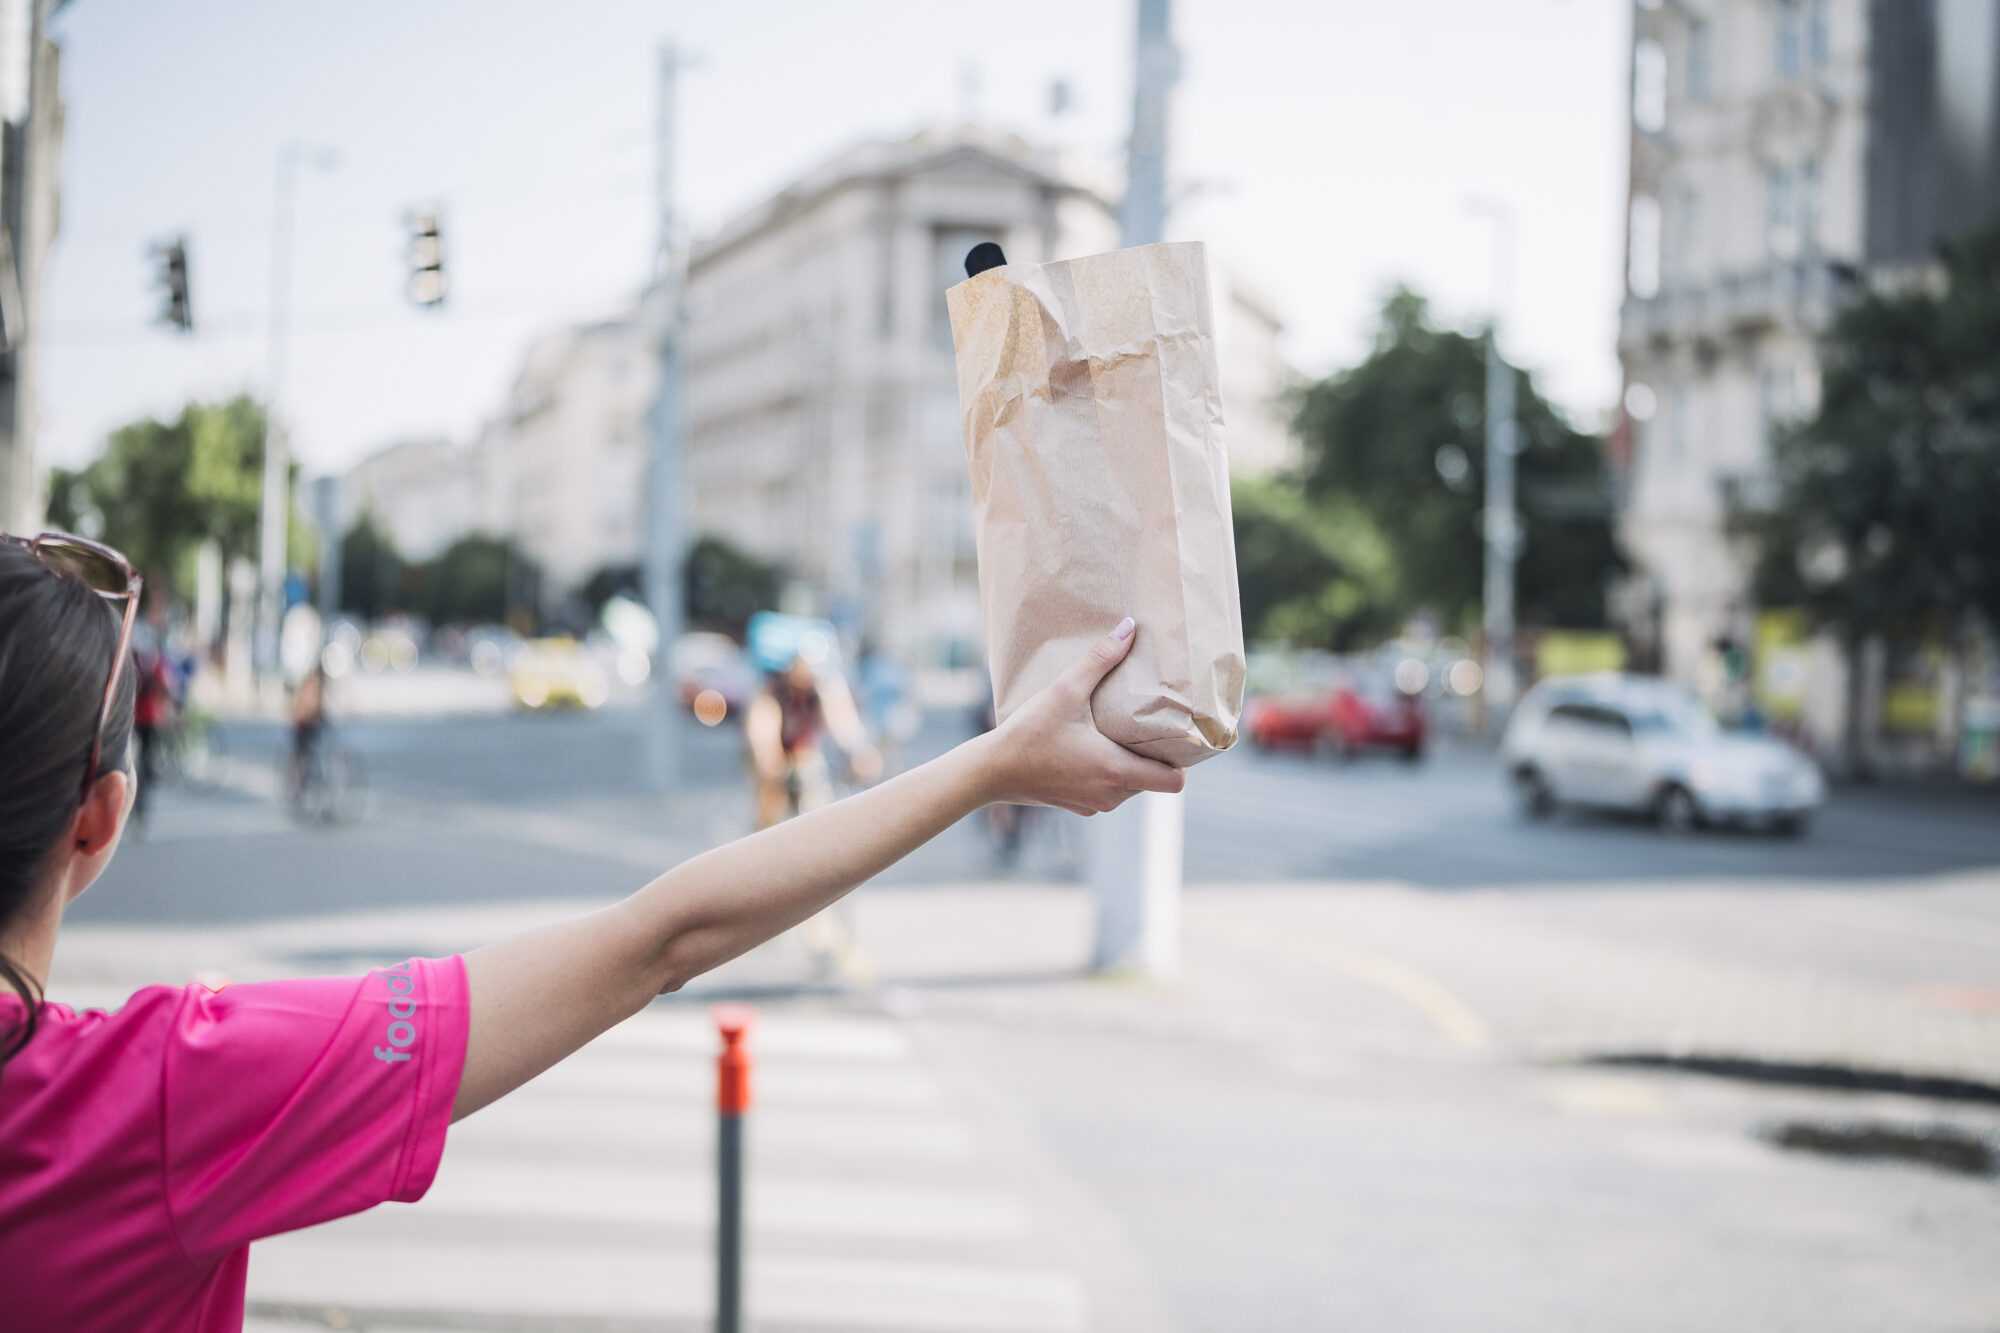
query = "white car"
x=1635 y=743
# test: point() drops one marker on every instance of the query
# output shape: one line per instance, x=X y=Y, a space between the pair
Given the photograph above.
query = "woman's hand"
x=1050 y=752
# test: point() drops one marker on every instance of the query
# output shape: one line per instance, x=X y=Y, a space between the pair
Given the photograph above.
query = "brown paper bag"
x=1093 y=424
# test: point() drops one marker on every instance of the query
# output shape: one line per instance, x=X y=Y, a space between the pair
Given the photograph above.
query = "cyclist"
x=786 y=720
x=796 y=705
x=308 y=725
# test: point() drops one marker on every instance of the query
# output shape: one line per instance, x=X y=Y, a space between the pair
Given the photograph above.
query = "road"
x=1444 y=824
x=1364 y=1104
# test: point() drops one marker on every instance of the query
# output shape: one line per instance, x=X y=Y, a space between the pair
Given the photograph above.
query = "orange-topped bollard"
x=732 y=1101
x=732 y=1067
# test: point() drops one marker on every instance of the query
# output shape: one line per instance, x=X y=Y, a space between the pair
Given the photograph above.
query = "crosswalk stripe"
x=329 y=1269
x=619 y=1193
x=623 y=1075
x=667 y=1032
x=526 y=1124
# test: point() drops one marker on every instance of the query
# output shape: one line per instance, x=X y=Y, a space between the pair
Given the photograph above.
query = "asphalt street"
x=1445 y=823
x=1361 y=1106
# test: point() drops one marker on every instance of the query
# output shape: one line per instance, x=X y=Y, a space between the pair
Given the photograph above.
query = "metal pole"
x=666 y=536
x=1135 y=851
x=732 y=1103
x=326 y=513
x=1155 y=67
x=1503 y=531
x=271 y=516
x=1502 y=523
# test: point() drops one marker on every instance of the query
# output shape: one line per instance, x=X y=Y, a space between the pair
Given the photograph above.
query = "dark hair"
x=57 y=638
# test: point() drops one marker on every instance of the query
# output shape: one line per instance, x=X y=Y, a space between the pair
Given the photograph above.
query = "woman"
x=141 y=1151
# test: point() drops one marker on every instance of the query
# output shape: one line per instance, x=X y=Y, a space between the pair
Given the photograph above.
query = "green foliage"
x=1881 y=516
x=160 y=488
x=726 y=585
x=608 y=581
x=1311 y=575
x=475 y=581
x=373 y=573
x=1400 y=439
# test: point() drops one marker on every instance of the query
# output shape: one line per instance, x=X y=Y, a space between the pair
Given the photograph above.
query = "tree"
x=726 y=585
x=372 y=571
x=623 y=579
x=473 y=581
x=1401 y=439
x=1879 y=516
x=1310 y=575
x=160 y=488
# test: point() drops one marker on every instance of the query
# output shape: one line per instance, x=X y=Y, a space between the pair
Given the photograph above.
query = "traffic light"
x=426 y=284
x=171 y=276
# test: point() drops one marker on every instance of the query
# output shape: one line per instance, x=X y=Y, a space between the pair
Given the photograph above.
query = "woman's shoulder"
x=95 y=1018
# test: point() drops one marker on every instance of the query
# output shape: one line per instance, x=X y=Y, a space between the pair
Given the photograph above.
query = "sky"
x=1327 y=148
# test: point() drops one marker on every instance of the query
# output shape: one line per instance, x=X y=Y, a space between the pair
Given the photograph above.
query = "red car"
x=1347 y=717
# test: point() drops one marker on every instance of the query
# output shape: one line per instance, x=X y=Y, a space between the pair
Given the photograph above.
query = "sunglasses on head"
x=108 y=574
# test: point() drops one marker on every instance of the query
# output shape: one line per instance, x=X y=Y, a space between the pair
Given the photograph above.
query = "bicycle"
x=329 y=786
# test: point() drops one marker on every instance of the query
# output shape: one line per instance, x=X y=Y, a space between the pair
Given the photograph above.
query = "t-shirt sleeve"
x=288 y=1103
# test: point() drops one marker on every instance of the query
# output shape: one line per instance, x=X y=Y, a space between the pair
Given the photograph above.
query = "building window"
x=1642 y=270
x=1819 y=32
x=1649 y=87
x=1700 y=61
x=1684 y=235
x=1791 y=38
x=1781 y=215
x=1807 y=204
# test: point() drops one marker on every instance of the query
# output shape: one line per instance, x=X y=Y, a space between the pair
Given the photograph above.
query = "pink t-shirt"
x=142 y=1151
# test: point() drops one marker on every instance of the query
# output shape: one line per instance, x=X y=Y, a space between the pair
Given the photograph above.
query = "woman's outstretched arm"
x=537 y=998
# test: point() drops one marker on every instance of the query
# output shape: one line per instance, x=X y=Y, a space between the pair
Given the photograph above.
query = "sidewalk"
x=422 y=691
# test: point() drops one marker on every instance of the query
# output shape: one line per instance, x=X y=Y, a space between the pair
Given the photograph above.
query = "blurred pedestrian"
x=152 y=715
x=142 y=1150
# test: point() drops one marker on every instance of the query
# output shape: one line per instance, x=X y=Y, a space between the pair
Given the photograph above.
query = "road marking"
x=1446 y=1012
x=615 y=1076
x=336 y=1269
x=523 y=1126
x=1599 y=1095
x=800 y=1035
x=575 y=1192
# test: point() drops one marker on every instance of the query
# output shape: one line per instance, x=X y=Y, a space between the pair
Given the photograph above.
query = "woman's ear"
x=101 y=821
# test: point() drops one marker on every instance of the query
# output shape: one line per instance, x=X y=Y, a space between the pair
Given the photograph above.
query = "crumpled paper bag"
x=1093 y=426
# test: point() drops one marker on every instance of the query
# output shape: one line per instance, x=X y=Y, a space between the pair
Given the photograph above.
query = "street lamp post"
x=273 y=512
x=666 y=535
x=1135 y=861
x=1502 y=522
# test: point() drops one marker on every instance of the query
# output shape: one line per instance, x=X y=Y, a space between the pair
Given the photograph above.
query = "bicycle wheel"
x=344 y=790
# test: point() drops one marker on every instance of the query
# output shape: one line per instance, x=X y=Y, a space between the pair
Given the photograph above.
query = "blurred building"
x=822 y=425
x=425 y=494
x=821 y=422
x=1780 y=150
x=568 y=453
x=30 y=144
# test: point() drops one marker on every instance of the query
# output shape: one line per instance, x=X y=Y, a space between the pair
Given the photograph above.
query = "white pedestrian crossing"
x=588 y=1197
